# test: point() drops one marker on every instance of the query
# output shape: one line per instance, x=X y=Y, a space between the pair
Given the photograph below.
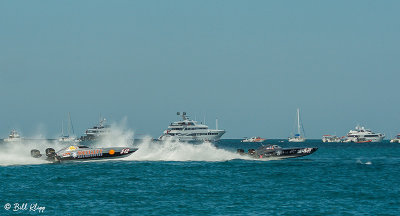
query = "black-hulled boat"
x=275 y=151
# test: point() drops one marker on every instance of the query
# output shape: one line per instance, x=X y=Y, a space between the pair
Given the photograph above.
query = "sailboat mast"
x=62 y=127
x=70 y=124
x=298 y=121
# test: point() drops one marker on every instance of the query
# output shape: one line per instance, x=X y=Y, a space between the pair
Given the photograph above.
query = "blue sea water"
x=186 y=179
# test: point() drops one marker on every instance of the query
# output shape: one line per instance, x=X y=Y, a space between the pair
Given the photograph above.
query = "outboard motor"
x=252 y=151
x=35 y=153
x=50 y=152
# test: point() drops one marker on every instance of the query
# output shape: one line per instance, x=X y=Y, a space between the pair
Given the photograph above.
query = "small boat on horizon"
x=13 y=137
x=253 y=139
x=331 y=138
x=396 y=139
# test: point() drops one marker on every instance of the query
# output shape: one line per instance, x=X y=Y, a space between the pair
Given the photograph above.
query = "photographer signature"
x=34 y=207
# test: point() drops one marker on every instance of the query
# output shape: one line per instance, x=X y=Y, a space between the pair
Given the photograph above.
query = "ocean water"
x=183 y=179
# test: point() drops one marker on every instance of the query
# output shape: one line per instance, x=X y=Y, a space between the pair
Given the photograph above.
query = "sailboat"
x=67 y=137
x=298 y=137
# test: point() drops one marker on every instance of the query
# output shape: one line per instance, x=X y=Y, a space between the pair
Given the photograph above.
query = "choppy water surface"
x=184 y=179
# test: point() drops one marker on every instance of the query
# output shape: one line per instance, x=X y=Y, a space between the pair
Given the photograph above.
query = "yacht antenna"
x=216 y=123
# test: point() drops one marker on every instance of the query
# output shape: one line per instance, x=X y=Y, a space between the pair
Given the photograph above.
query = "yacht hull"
x=363 y=139
x=193 y=138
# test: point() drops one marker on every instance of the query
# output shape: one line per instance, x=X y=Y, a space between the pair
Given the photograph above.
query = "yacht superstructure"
x=13 y=137
x=360 y=134
x=190 y=130
x=96 y=131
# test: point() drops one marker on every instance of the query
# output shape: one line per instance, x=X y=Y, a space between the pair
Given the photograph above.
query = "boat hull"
x=193 y=138
x=362 y=139
x=277 y=153
x=395 y=141
x=82 y=154
x=254 y=141
x=297 y=140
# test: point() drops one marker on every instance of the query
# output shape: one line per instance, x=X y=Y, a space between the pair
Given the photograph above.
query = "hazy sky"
x=249 y=63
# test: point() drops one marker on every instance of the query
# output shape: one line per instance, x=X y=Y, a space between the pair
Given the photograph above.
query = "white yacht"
x=96 y=131
x=189 y=130
x=13 y=137
x=298 y=137
x=331 y=138
x=360 y=134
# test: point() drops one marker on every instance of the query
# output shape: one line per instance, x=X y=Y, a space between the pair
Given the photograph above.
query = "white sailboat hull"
x=297 y=139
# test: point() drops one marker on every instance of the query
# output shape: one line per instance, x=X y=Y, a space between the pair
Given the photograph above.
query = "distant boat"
x=298 y=137
x=331 y=138
x=253 y=139
x=67 y=137
x=360 y=134
x=96 y=131
x=396 y=139
x=13 y=137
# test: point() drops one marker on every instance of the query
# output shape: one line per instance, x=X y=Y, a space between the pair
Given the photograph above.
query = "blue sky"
x=249 y=63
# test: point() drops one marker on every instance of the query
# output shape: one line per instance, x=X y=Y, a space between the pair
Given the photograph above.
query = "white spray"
x=173 y=150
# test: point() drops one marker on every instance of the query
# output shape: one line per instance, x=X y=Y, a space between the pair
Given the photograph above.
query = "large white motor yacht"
x=360 y=134
x=189 y=130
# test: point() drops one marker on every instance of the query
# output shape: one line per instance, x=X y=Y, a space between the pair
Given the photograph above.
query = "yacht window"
x=371 y=136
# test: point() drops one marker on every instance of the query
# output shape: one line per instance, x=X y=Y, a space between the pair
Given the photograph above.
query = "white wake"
x=18 y=153
x=172 y=150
